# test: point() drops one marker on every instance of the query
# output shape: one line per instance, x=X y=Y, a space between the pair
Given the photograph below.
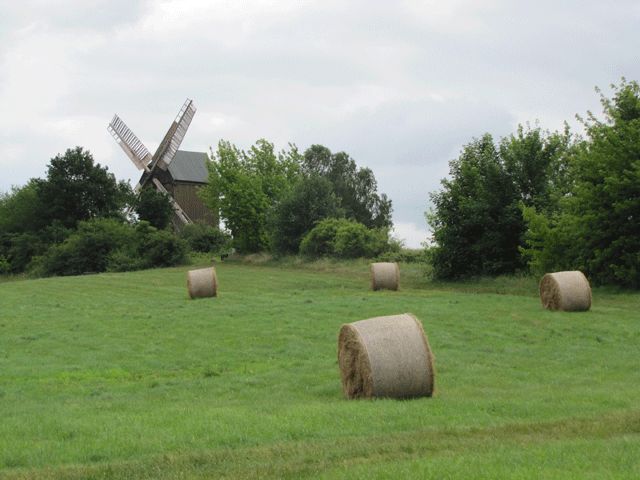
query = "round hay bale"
x=385 y=275
x=385 y=357
x=568 y=291
x=202 y=283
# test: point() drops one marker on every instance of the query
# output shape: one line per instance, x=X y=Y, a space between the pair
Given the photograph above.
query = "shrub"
x=107 y=244
x=344 y=238
x=86 y=250
x=205 y=238
x=352 y=241
x=319 y=241
x=159 y=248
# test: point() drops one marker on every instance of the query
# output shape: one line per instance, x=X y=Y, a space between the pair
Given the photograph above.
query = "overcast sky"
x=401 y=86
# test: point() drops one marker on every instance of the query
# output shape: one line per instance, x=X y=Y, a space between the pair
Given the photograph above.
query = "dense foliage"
x=77 y=189
x=245 y=186
x=356 y=188
x=343 y=238
x=106 y=244
x=477 y=221
x=73 y=221
x=595 y=225
x=271 y=201
x=154 y=207
x=205 y=238
x=309 y=201
x=546 y=202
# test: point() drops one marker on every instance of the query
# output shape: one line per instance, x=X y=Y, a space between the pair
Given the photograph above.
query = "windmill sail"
x=131 y=145
x=175 y=135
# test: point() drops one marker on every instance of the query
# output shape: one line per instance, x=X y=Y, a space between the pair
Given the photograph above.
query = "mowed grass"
x=122 y=376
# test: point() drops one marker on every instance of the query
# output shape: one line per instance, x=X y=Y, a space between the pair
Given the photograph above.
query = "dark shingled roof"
x=189 y=167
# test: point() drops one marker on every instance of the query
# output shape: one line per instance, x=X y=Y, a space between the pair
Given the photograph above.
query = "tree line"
x=533 y=202
x=538 y=201
x=79 y=219
x=287 y=202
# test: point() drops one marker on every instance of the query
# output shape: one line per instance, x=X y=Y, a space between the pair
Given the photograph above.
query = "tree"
x=19 y=209
x=311 y=200
x=154 y=207
x=245 y=186
x=476 y=221
x=78 y=189
x=536 y=162
x=596 y=228
x=356 y=188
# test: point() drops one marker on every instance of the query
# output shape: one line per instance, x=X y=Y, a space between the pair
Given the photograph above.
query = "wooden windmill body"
x=176 y=173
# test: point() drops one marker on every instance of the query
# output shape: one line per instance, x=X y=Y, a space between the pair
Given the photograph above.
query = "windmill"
x=176 y=173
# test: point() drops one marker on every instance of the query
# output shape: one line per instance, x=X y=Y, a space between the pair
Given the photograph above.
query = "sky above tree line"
x=400 y=86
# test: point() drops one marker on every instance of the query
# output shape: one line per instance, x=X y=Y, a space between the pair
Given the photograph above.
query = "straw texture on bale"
x=385 y=275
x=202 y=283
x=385 y=357
x=568 y=291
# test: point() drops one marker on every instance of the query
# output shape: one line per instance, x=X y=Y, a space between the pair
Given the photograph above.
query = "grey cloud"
x=399 y=86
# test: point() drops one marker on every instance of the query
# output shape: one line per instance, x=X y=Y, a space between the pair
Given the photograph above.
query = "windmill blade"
x=172 y=140
x=131 y=145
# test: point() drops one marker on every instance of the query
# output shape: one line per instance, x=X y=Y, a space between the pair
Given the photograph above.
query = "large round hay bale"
x=385 y=357
x=202 y=283
x=385 y=275
x=568 y=291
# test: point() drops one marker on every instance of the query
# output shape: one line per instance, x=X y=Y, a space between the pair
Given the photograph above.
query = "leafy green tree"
x=78 y=189
x=154 y=207
x=356 y=188
x=477 y=218
x=476 y=221
x=205 y=238
x=19 y=209
x=536 y=162
x=596 y=228
x=311 y=200
x=245 y=186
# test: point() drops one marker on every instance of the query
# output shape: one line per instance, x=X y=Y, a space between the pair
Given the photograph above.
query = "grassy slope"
x=121 y=376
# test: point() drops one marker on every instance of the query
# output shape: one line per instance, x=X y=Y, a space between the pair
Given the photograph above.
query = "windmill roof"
x=189 y=167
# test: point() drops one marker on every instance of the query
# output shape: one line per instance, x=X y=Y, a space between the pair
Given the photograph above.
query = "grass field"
x=121 y=376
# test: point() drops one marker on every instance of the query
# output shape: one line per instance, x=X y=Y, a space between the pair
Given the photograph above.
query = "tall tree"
x=597 y=226
x=77 y=189
x=245 y=186
x=356 y=188
x=476 y=221
x=312 y=199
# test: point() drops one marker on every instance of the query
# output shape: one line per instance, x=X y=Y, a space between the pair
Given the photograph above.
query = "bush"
x=311 y=200
x=159 y=248
x=86 y=250
x=150 y=248
x=319 y=241
x=345 y=239
x=107 y=244
x=205 y=238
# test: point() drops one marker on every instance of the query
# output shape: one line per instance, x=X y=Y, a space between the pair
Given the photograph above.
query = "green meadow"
x=122 y=376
